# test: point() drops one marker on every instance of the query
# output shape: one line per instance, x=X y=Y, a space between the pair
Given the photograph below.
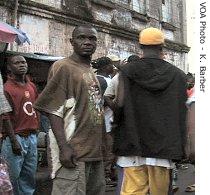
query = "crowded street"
x=97 y=97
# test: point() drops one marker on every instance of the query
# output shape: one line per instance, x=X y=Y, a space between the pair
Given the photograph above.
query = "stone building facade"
x=49 y=24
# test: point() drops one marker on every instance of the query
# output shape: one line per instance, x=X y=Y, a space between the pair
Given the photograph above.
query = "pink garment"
x=191 y=97
x=190 y=92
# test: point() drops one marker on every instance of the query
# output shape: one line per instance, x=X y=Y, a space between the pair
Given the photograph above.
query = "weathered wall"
x=176 y=58
x=49 y=24
x=4 y=15
x=38 y=31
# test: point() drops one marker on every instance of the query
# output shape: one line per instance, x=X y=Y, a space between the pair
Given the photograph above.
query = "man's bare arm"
x=16 y=148
x=110 y=102
x=67 y=155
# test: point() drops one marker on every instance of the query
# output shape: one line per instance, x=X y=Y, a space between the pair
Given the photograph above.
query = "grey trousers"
x=87 y=178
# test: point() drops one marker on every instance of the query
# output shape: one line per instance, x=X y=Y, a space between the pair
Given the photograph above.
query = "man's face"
x=190 y=83
x=109 y=69
x=18 y=65
x=84 y=41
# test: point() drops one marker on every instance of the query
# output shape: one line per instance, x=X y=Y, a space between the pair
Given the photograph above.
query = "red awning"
x=9 y=34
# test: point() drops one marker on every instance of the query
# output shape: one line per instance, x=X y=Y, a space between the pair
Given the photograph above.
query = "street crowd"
x=123 y=123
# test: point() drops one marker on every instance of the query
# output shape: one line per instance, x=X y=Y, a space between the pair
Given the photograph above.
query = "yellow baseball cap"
x=151 y=36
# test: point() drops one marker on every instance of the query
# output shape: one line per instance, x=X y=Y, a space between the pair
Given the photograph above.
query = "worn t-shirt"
x=73 y=93
x=21 y=98
x=112 y=88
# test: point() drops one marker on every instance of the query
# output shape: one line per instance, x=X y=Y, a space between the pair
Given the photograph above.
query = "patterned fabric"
x=4 y=104
x=5 y=184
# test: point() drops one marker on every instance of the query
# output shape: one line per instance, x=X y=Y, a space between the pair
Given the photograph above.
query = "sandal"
x=182 y=166
x=190 y=188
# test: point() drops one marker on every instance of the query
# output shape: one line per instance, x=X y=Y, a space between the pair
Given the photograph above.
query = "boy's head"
x=190 y=80
x=133 y=58
x=17 y=65
x=103 y=65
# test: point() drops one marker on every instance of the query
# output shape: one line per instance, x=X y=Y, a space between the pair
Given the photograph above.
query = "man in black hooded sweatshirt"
x=149 y=125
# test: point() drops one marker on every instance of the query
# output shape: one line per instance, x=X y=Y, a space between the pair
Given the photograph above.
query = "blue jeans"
x=22 y=168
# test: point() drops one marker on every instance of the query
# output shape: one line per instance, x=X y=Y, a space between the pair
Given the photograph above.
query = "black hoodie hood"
x=151 y=74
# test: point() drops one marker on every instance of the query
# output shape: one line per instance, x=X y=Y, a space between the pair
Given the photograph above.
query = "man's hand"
x=16 y=148
x=67 y=157
x=110 y=102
